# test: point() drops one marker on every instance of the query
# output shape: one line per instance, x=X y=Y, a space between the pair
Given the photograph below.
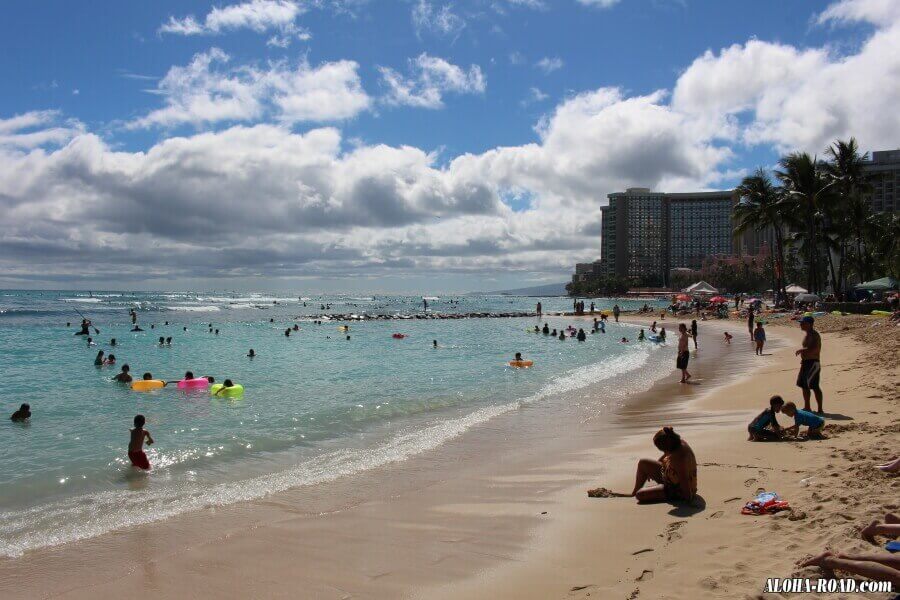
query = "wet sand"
x=500 y=511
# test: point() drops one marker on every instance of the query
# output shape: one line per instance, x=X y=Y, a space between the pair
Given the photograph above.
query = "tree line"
x=819 y=210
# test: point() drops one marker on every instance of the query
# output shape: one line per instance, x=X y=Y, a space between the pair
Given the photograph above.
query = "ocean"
x=316 y=406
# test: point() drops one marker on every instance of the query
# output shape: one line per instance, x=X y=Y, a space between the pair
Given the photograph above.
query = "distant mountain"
x=551 y=289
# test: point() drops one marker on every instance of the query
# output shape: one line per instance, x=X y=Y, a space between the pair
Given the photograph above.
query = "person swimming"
x=227 y=384
x=148 y=376
x=110 y=359
x=124 y=376
x=623 y=341
x=162 y=341
x=98 y=362
x=562 y=336
x=251 y=354
x=112 y=342
x=581 y=335
x=188 y=375
x=641 y=336
x=546 y=330
x=518 y=357
x=434 y=344
x=168 y=341
x=22 y=414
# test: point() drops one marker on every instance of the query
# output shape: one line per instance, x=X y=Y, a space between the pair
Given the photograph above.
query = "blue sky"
x=515 y=84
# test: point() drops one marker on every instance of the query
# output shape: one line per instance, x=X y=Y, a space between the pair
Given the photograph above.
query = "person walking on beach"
x=136 y=444
x=694 y=332
x=759 y=336
x=616 y=312
x=750 y=320
x=810 y=367
x=683 y=354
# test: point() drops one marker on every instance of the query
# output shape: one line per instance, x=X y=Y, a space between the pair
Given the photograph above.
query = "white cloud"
x=36 y=129
x=535 y=95
x=206 y=92
x=801 y=98
x=429 y=79
x=259 y=16
x=437 y=20
x=298 y=205
x=598 y=3
x=548 y=64
x=877 y=12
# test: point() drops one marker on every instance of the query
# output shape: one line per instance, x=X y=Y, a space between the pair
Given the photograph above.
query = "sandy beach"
x=502 y=511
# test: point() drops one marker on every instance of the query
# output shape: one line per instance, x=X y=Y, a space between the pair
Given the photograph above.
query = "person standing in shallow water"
x=683 y=354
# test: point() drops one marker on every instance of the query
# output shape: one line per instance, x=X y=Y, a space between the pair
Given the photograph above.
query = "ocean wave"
x=84 y=300
x=208 y=308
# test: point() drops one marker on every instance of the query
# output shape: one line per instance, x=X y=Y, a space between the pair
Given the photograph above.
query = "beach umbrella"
x=683 y=298
x=795 y=289
x=806 y=298
x=718 y=299
x=879 y=285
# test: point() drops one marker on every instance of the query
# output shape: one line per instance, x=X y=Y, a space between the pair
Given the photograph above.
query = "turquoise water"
x=317 y=406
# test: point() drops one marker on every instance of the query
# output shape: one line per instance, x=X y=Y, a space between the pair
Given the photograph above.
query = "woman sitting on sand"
x=675 y=472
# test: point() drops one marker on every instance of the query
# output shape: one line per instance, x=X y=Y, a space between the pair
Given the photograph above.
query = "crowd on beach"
x=673 y=477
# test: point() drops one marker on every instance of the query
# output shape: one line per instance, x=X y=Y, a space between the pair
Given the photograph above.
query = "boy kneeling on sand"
x=803 y=417
x=766 y=419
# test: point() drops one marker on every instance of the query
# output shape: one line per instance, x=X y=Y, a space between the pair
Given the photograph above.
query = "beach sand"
x=491 y=515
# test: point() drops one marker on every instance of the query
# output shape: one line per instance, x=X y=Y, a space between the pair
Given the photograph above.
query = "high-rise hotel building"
x=645 y=234
x=883 y=171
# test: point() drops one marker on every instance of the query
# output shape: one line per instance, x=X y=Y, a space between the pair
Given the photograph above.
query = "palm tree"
x=847 y=216
x=764 y=206
x=803 y=179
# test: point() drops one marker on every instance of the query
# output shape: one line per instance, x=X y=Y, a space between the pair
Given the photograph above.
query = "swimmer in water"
x=90 y=341
x=624 y=340
x=546 y=330
x=228 y=384
x=110 y=360
x=581 y=335
x=162 y=341
x=518 y=357
x=562 y=336
x=434 y=344
x=98 y=362
x=728 y=337
x=22 y=414
x=251 y=354
x=136 y=444
x=189 y=375
x=168 y=341
x=124 y=376
x=641 y=336
x=148 y=376
x=112 y=342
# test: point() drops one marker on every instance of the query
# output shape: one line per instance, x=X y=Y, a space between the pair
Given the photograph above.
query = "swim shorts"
x=140 y=460
x=682 y=361
x=808 y=377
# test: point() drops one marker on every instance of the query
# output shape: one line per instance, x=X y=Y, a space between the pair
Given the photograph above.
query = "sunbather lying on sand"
x=890 y=528
x=879 y=567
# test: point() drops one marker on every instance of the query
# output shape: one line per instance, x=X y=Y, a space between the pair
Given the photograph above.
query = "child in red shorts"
x=136 y=445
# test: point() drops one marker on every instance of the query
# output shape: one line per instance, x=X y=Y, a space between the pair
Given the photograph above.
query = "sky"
x=399 y=145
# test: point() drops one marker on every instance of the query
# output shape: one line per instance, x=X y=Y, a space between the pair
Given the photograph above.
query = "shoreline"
x=466 y=525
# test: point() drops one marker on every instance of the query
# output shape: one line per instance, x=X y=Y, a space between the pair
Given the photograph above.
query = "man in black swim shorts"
x=810 y=367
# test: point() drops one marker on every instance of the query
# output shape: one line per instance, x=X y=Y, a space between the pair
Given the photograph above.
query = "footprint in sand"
x=635 y=594
x=716 y=514
x=727 y=500
x=646 y=575
x=672 y=530
x=749 y=482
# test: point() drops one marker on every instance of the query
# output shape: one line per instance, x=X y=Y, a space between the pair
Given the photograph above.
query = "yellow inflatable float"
x=521 y=364
x=146 y=385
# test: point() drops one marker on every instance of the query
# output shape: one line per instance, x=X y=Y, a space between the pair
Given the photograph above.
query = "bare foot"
x=892 y=468
x=816 y=561
x=868 y=533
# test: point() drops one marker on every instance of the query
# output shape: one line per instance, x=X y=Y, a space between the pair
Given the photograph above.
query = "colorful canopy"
x=718 y=299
